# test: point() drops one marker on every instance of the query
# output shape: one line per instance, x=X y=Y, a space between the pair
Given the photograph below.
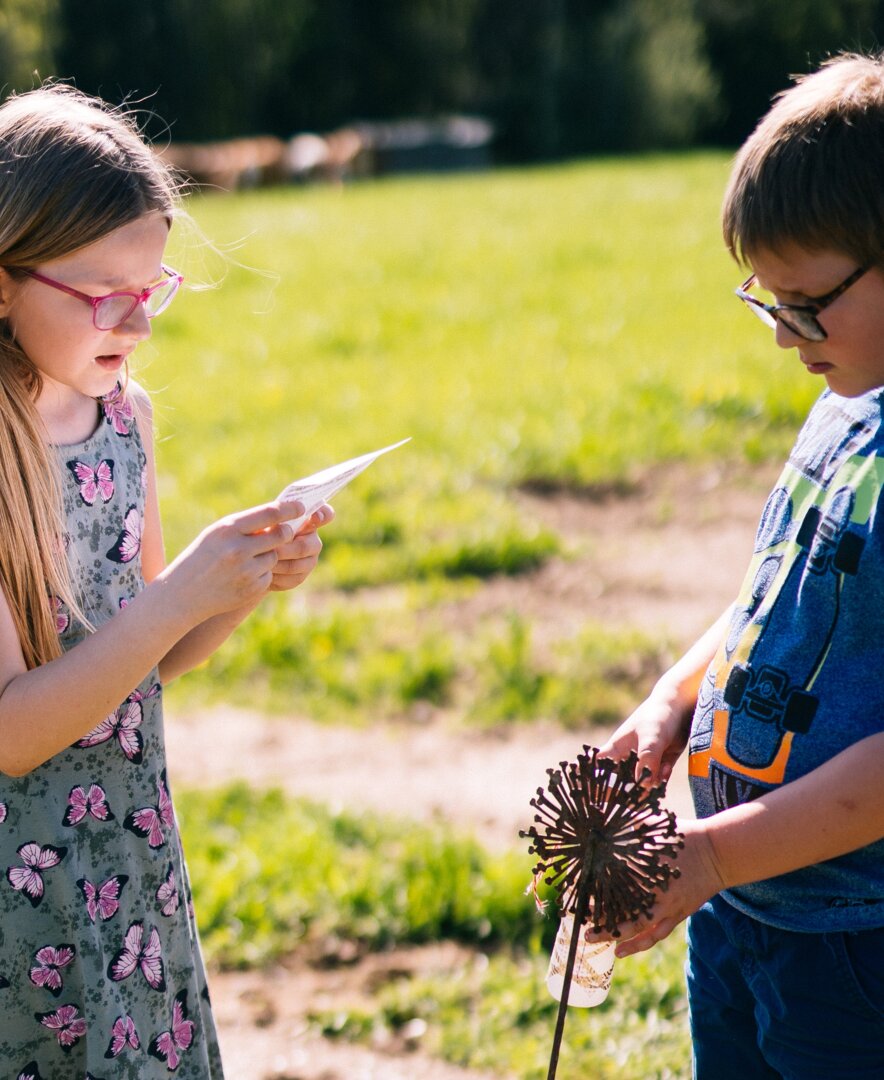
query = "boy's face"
x=851 y=359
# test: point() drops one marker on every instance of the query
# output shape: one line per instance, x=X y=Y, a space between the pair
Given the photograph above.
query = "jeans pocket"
x=862 y=957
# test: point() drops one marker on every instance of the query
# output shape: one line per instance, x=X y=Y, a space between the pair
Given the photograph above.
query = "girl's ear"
x=8 y=288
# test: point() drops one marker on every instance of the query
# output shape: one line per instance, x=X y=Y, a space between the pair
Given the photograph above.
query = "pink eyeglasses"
x=112 y=310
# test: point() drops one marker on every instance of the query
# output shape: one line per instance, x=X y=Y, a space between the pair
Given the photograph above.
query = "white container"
x=593 y=968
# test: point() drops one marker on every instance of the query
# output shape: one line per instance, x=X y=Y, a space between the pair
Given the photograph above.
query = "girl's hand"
x=657 y=731
x=231 y=563
x=699 y=879
x=298 y=558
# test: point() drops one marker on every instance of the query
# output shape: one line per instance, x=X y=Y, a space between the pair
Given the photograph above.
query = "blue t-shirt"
x=800 y=676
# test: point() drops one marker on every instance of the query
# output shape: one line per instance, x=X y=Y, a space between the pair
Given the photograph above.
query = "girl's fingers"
x=266 y=516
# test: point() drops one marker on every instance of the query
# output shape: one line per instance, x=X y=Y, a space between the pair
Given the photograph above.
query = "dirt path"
x=665 y=560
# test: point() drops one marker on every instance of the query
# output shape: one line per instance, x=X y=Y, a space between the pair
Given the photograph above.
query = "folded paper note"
x=317 y=489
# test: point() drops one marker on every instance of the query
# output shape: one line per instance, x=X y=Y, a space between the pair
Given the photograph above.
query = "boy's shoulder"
x=837 y=428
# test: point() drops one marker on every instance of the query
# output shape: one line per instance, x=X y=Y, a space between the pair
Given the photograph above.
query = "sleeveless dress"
x=100 y=969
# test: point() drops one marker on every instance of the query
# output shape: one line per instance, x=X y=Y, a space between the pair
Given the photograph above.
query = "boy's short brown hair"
x=812 y=172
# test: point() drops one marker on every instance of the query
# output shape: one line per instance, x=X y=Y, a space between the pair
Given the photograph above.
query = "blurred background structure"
x=549 y=78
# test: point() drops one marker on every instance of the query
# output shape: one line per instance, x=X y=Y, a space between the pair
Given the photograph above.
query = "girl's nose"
x=137 y=326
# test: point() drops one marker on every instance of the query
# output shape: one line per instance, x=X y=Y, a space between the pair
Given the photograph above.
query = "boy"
x=783 y=873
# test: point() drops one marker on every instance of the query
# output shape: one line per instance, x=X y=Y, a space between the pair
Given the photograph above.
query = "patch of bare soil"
x=667 y=559
x=264 y=1029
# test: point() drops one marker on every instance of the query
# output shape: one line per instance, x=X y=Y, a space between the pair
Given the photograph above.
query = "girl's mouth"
x=111 y=361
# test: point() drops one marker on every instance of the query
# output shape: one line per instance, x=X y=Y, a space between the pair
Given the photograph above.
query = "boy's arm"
x=831 y=811
x=658 y=729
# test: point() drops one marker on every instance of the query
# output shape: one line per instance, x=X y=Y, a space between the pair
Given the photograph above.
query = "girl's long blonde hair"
x=71 y=171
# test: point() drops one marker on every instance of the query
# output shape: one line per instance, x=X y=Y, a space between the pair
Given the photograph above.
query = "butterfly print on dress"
x=49 y=962
x=92 y=802
x=178 y=1037
x=62 y=618
x=66 y=1022
x=123 y=1035
x=124 y=724
x=136 y=954
x=152 y=821
x=128 y=543
x=29 y=878
x=105 y=900
x=167 y=894
x=30 y=1072
x=92 y=484
x=118 y=410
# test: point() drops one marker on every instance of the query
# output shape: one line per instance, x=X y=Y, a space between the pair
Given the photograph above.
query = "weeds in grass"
x=271 y=873
x=496 y=1014
x=352 y=665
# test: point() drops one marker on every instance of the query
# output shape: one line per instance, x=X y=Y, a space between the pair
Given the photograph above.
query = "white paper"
x=317 y=489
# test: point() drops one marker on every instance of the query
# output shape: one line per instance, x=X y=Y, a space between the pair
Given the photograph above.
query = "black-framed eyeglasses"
x=112 y=310
x=801 y=319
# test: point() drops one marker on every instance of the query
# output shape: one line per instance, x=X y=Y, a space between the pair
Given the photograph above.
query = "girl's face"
x=78 y=362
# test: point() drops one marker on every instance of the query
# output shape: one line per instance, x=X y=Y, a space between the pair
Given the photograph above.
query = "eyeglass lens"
x=114 y=310
x=801 y=323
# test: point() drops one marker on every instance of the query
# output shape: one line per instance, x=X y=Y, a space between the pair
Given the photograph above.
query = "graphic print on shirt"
x=809 y=544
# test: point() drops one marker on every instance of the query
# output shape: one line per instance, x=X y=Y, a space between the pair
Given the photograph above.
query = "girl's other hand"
x=298 y=557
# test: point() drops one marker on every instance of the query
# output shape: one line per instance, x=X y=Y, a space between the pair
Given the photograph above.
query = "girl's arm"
x=658 y=729
x=297 y=559
x=42 y=711
x=831 y=811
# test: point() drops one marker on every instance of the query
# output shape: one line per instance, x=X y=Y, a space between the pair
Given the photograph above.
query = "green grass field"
x=563 y=328
x=552 y=329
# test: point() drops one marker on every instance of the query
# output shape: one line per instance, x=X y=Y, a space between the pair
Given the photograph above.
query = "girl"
x=100 y=972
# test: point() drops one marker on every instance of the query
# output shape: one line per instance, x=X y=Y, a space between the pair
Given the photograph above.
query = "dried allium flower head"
x=597 y=821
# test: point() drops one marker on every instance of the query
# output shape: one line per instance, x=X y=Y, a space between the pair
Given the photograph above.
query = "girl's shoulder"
x=131 y=405
x=140 y=400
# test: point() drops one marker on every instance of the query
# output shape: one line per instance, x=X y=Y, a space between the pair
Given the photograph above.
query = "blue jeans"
x=770 y=1004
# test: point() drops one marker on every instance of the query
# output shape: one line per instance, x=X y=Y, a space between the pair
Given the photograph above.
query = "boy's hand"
x=298 y=557
x=657 y=731
x=699 y=879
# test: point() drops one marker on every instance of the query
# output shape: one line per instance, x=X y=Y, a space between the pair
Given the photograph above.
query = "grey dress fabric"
x=100 y=967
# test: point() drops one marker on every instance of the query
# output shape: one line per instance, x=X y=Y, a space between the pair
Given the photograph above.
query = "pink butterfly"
x=82 y=802
x=135 y=953
x=179 y=1036
x=118 y=410
x=124 y=723
x=29 y=878
x=92 y=484
x=167 y=894
x=62 y=618
x=152 y=821
x=67 y=1023
x=128 y=543
x=123 y=1034
x=4 y=810
x=47 y=969
x=105 y=900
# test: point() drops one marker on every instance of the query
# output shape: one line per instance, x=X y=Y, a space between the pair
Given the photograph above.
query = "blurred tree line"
x=557 y=77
